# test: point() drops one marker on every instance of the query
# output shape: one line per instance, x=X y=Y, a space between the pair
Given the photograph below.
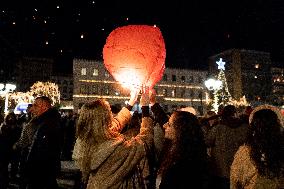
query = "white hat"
x=189 y=109
x=270 y=107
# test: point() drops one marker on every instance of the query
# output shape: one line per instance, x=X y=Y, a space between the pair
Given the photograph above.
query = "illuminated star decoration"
x=221 y=64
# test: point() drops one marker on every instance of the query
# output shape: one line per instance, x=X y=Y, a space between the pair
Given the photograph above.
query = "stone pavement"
x=69 y=177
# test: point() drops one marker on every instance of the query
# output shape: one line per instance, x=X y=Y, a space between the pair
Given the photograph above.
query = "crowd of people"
x=32 y=145
x=152 y=149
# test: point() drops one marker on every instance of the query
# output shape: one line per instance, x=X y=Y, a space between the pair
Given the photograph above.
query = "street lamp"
x=213 y=84
x=5 y=89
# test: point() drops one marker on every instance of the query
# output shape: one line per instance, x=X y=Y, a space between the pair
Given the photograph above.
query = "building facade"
x=31 y=70
x=178 y=87
x=65 y=86
x=277 y=96
x=248 y=73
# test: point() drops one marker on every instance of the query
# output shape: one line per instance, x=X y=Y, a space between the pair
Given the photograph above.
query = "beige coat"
x=244 y=173
x=118 y=163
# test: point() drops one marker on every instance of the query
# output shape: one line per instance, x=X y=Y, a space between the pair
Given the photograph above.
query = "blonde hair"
x=94 y=121
x=92 y=129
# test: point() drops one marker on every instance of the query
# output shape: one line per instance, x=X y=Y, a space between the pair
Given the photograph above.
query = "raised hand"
x=145 y=100
x=152 y=97
x=133 y=96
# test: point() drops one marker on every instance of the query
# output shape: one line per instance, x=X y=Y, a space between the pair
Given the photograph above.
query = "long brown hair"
x=92 y=129
x=189 y=144
x=266 y=141
x=94 y=120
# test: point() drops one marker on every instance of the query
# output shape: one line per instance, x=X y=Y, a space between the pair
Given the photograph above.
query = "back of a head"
x=266 y=140
x=11 y=118
x=94 y=119
x=189 y=109
x=186 y=124
x=189 y=136
x=229 y=111
x=264 y=122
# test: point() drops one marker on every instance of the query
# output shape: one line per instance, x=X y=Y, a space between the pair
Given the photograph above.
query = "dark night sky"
x=193 y=30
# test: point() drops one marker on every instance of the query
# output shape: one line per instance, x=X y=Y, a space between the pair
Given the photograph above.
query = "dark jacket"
x=43 y=158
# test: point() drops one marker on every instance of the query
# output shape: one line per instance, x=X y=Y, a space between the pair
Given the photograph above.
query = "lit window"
x=83 y=71
x=256 y=66
x=173 y=93
x=96 y=72
x=106 y=74
x=164 y=92
x=107 y=91
x=255 y=77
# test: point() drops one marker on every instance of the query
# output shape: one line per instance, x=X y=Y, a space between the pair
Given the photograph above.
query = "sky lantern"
x=135 y=55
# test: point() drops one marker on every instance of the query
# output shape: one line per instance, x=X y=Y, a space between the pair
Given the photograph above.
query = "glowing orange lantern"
x=135 y=55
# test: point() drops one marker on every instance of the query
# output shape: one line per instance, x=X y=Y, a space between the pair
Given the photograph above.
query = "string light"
x=159 y=85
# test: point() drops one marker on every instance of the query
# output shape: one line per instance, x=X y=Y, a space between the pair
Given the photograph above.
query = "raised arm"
x=123 y=117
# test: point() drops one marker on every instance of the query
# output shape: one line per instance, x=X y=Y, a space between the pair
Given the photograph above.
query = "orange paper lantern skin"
x=135 y=55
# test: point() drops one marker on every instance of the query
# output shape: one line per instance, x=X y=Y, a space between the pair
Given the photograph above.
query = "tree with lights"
x=46 y=89
x=222 y=95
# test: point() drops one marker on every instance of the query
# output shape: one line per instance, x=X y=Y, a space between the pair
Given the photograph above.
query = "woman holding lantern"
x=183 y=159
x=105 y=157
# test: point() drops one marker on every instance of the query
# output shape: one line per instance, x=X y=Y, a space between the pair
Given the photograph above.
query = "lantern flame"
x=129 y=78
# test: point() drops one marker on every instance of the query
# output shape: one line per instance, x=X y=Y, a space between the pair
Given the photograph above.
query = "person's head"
x=189 y=109
x=40 y=105
x=209 y=114
x=266 y=139
x=94 y=121
x=10 y=118
x=229 y=111
x=182 y=125
x=183 y=141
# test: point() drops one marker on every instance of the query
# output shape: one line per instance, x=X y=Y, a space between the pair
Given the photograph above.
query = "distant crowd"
x=118 y=148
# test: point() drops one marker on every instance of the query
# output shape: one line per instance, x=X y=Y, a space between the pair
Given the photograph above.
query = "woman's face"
x=170 y=132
